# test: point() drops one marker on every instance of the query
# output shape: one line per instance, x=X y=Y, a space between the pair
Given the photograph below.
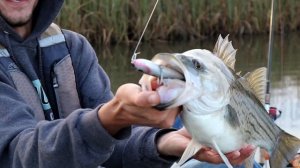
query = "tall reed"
x=114 y=21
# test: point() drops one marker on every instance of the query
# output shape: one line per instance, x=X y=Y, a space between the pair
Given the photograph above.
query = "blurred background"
x=122 y=21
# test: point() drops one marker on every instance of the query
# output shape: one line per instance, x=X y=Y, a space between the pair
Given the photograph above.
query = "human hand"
x=296 y=161
x=174 y=144
x=134 y=106
x=235 y=158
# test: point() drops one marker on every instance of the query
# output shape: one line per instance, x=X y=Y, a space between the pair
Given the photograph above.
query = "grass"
x=122 y=21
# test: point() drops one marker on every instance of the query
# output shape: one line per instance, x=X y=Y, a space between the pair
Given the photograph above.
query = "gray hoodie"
x=75 y=140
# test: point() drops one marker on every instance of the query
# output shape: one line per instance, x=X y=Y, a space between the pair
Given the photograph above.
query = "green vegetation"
x=115 y=21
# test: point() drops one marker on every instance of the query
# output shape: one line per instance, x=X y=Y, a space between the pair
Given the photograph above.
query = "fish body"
x=221 y=109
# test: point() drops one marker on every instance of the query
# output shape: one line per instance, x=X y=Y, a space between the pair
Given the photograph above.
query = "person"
x=57 y=108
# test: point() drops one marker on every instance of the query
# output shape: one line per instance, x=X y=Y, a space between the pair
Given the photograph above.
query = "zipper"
x=55 y=86
x=54 y=80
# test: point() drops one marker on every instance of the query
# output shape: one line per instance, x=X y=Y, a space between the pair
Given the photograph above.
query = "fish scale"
x=258 y=126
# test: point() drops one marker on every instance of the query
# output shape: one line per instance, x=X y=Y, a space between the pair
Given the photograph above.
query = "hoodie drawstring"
x=40 y=64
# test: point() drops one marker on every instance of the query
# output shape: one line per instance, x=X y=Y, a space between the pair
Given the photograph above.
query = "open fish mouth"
x=172 y=76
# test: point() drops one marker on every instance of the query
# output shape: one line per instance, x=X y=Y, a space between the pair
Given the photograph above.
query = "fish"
x=221 y=108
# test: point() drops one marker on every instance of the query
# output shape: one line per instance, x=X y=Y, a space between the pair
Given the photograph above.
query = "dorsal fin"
x=224 y=50
x=257 y=81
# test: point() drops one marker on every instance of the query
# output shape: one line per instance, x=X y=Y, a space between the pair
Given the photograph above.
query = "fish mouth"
x=172 y=87
x=171 y=66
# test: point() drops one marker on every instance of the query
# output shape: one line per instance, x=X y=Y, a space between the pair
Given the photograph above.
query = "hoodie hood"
x=44 y=14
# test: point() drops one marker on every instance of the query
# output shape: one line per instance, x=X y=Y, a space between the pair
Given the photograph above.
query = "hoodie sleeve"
x=140 y=151
x=76 y=141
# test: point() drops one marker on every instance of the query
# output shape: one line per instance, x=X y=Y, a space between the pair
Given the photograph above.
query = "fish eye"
x=196 y=64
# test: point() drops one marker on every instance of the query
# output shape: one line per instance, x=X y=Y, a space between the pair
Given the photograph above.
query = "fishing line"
x=137 y=45
x=269 y=66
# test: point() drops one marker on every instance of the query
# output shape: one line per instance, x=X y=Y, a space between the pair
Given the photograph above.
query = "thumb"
x=147 y=98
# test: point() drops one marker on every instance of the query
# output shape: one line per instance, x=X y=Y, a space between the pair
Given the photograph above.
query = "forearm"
x=77 y=141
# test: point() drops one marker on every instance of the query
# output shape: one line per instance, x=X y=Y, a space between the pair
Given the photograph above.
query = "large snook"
x=221 y=109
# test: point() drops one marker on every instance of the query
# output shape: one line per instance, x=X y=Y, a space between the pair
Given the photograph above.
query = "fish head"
x=205 y=83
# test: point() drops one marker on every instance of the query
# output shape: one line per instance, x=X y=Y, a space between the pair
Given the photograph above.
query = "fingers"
x=208 y=155
x=149 y=83
x=238 y=157
x=163 y=119
x=296 y=161
x=147 y=99
x=136 y=107
x=154 y=83
x=235 y=157
x=247 y=151
x=133 y=95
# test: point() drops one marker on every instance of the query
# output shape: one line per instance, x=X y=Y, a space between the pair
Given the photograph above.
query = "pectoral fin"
x=224 y=158
x=192 y=148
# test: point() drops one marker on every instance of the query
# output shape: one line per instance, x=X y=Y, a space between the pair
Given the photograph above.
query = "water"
x=252 y=53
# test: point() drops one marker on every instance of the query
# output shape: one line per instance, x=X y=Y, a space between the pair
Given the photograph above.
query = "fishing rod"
x=269 y=58
x=269 y=68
